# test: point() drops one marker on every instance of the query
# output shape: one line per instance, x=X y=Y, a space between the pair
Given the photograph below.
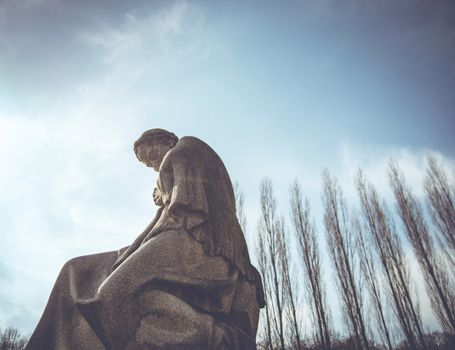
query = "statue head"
x=153 y=145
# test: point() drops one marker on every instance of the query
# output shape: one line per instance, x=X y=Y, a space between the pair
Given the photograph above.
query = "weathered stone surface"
x=185 y=283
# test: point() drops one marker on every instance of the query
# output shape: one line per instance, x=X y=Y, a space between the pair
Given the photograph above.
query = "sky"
x=283 y=89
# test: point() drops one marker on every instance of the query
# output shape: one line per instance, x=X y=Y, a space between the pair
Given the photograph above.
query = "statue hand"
x=157 y=197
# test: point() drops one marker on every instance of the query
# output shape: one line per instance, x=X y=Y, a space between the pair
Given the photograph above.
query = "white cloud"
x=176 y=34
x=374 y=162
x=344 y=165
x=50 y=180
x=70 y=183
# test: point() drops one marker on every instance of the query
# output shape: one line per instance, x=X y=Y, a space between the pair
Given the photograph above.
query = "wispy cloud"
x=78 y=87
x=70 y=182
x=375 y=162
x=177 y=34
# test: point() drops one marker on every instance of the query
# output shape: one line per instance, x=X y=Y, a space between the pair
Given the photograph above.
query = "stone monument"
x=185 y=283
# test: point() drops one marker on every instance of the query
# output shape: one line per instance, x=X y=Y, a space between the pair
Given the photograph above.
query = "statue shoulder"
x=190 y=141
x=187 y=149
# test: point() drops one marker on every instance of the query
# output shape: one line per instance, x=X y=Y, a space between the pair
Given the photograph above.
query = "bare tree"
x=290 y=289
x=265 y=272
x=368 y=265
x=341 y=242
x=277 y=264
x=433 y=267
x=441 y=199
x=393 y=262
x=263 y=260
x=11 y=339
x=315 y=290
x=269 y=228
x=240 y=207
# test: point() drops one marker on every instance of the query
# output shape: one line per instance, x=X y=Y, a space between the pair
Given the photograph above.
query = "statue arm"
x=184 y=191
x=138 y=241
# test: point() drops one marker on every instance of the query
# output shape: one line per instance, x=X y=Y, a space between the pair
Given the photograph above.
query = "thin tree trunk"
x=436 y=274
x=341 y=246
x=393 y=263
x=290 y=293
x=310 y=256
x=441 y=199
x=269 y=226
x=371 y=277
x=264 y=269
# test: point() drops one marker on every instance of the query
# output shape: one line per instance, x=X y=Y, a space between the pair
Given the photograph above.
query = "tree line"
x=11 y=339
x=368 y=246
x=367 y=249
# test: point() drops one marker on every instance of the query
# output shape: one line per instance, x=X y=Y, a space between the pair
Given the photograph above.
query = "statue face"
x=152 y=154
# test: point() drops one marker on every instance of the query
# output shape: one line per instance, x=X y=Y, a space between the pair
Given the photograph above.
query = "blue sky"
x=281 y=89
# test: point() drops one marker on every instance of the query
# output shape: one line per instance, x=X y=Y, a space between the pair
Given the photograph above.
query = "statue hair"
x=156 y=135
